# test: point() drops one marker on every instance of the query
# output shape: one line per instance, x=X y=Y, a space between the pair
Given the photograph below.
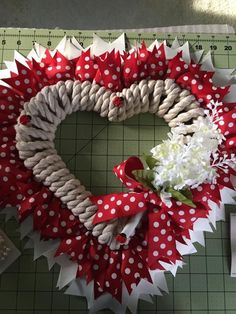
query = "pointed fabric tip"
x=78 y=45
x=67 y=48
x=185 y=52
x=11 y=66
x=86 y=67
x=153 y=45
x=100 y=46
x=18 y=57
x=175 y=43
x=40 y=51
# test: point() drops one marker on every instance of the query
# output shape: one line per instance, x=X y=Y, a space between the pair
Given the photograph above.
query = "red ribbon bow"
x=138 y=199
x=161 y=243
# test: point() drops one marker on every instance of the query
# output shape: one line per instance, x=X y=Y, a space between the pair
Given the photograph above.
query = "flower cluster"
x=188 y=161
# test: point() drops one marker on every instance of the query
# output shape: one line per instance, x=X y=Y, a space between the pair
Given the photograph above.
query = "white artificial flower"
x=186 y=162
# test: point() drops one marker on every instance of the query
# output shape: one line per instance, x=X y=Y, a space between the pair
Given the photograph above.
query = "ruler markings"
x=222 y=47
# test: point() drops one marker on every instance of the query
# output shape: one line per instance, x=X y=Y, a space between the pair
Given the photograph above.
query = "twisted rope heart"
x=38 y=121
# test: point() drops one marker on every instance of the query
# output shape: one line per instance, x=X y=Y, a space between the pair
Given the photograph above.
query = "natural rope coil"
x=53 y=103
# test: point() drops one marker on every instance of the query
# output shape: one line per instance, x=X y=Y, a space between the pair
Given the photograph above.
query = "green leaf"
x=144 y=176
x=182 y=197
x=187 y=193
x=150 y=161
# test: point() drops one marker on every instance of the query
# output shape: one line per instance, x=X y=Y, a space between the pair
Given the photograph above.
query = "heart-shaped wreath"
x=114 y=248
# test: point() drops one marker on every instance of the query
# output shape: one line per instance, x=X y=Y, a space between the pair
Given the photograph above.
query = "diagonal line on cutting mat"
x=85 y=145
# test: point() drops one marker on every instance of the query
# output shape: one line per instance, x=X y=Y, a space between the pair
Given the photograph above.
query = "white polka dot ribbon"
x=164 y=224
x=128 y=203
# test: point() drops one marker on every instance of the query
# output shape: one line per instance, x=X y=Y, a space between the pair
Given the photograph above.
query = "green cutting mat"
x=91 y=146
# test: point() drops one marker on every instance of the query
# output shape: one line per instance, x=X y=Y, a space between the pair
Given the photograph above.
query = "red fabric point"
x=118 y=101
x=25 y=119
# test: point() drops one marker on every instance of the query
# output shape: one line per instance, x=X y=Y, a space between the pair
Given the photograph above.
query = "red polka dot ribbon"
x=138 y=199
x=228 y=128
x=162 y=221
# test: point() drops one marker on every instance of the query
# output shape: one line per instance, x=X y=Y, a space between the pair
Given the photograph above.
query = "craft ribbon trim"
x=162 y=221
